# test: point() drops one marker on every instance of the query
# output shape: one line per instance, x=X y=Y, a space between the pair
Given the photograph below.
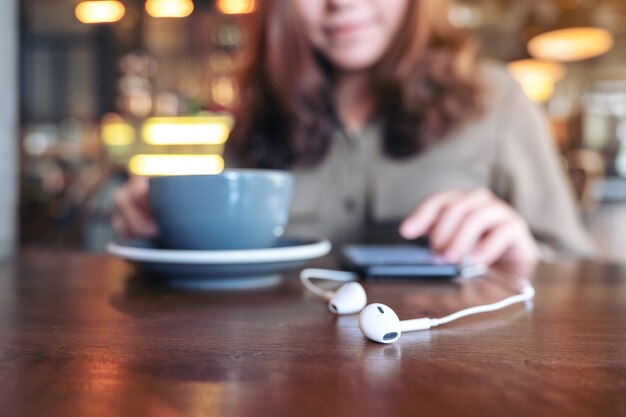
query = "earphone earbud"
x=350 y=298
x=381 y=324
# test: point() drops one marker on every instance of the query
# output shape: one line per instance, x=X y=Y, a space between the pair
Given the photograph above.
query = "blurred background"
x=103 y=88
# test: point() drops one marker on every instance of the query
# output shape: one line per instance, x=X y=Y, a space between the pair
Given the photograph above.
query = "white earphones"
x=381 y=324
x=350 y=298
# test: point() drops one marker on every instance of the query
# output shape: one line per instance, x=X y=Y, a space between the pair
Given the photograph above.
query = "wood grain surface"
x=81 y=335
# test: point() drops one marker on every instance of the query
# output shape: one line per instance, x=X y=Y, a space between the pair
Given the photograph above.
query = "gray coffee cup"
x=237 y=209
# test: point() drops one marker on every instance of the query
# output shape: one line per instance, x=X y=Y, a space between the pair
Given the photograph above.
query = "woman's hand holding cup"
x=236 y=209
x=133 y=218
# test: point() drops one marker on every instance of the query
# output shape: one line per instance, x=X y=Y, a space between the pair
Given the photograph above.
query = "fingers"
x=120 y=227
x=139 y=192
x=133 y=218
x=496 y=243
x=505 y=243
x=453 y=215
x=472 y=229
x=471 y=222
x=425 y=215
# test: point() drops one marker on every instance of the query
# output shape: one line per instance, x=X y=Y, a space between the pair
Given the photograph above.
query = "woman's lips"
x=347 y=28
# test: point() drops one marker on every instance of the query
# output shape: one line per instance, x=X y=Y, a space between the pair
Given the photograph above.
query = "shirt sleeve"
x=528 y=175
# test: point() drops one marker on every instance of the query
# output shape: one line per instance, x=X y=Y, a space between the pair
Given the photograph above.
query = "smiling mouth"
x=347 y=29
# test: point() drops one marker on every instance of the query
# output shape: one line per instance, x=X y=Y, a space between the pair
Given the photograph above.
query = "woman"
x=384 y=115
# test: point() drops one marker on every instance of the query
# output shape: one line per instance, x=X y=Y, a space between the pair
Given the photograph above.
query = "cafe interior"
x=112 y=88
x=98 y=91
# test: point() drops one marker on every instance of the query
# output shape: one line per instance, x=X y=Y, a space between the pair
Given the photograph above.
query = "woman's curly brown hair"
x=425 y=86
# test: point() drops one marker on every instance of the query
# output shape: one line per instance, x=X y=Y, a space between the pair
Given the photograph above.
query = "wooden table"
x=78 y=337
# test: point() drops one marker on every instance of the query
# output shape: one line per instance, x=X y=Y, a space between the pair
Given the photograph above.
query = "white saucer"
x=219 y=269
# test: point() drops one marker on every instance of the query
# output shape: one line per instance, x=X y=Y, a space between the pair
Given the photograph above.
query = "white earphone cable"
x=527 y=294
x=327 y=275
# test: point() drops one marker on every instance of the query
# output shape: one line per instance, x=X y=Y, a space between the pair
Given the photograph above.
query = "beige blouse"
x=358 y=194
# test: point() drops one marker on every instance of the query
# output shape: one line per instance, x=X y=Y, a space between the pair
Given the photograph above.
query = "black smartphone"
x=374 y=262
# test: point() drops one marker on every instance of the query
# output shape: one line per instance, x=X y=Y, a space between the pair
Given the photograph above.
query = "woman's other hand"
x=472 y=223
x=133 y=218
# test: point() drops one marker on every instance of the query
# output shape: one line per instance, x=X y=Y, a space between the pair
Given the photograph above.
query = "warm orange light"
x=197 y=130
x=236 y=6
x=176 y=164
x=99 y=11
x=573 y=44
x=169 y=8
x=537 y=78
x=223 y=91
x=523 y=67
x=117 y=134
x=537 y=87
